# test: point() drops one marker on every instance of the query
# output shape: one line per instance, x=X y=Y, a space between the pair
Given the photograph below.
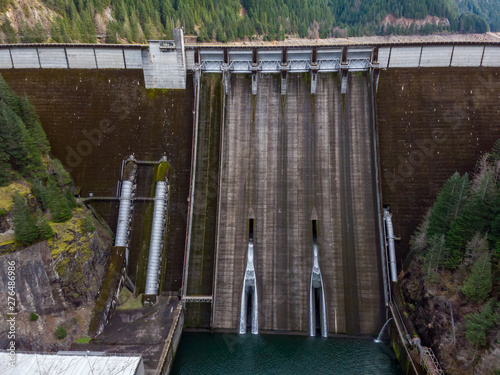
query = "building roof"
x=76 y=363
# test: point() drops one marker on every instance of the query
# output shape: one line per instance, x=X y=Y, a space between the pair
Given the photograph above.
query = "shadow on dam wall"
x=75 y=105
x=431 y=122
x=200 y=270
x=288 y=160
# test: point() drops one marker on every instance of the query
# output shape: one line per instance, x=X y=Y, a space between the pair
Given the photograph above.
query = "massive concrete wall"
x=431 y=122
x=286 y=161
x=76 y=105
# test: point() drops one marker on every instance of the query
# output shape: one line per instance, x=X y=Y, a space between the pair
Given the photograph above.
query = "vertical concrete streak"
x=297 y=190
x=234 y=211
x=327 y=184
x=267 y=205
x=351 y=302
x=282 y=251
x=364 y=207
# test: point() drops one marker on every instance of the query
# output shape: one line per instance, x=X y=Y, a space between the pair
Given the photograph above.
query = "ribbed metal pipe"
x=124 y=213
x=390 y=242
x=155 y=249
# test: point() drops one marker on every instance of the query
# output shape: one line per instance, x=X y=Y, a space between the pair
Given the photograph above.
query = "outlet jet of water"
x=379 y=338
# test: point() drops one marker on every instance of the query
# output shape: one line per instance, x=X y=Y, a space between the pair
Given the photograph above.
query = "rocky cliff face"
x=59 y=281
x=430 y=306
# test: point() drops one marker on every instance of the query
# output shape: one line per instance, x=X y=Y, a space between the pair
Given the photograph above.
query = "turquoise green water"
x=201 y=353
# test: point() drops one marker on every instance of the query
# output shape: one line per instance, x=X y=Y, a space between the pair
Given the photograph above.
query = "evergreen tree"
x=41 y=194
x=479 y=283
x=28 y=115
x=25 y=229
x=62 y=176
x=477 y=325
x=59 y=205
x=8 y=30
x=435 y=255
x=70 y=198
x=88 y=224
x=112 y=33
x=475 y=218
x=448 y=205
x=61 y=211
x=14 y=139
x=495 y=151
x=44 y=229
x=5 y=172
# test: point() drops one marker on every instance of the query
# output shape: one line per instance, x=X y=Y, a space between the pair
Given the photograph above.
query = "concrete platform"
x=141 y=331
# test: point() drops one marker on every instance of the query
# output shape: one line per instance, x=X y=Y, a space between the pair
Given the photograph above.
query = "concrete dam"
x=283 y=160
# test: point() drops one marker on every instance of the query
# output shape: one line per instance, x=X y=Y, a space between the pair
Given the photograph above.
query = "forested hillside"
x=59 y=248
x=133 y=21
x=452 y=284
x=25 y=164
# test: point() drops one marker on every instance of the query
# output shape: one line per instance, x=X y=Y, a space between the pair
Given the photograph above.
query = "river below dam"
x=203 y=353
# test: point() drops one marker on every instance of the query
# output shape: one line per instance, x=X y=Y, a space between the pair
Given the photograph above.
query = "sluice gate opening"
x=249 y=314
x=317 y=305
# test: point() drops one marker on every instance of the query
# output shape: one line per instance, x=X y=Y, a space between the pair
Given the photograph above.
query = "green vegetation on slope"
x=223 y=20
x=24 y=157
x=22 y=140
x=488 y=10
x=464 y=209
x=456 y=269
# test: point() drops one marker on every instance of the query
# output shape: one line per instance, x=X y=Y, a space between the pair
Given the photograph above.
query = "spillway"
x=199 y=270
x=285 y=161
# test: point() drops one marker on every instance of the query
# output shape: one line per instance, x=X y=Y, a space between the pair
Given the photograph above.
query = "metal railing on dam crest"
x=165 y=63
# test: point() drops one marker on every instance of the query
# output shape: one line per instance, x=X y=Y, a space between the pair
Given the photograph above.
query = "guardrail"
x=409 y=336
x=171 y=343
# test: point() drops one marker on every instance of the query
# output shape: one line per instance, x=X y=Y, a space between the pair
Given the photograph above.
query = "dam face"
x=282 y=161
x=288 y=160
x=431 y=122
x=74 y=104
